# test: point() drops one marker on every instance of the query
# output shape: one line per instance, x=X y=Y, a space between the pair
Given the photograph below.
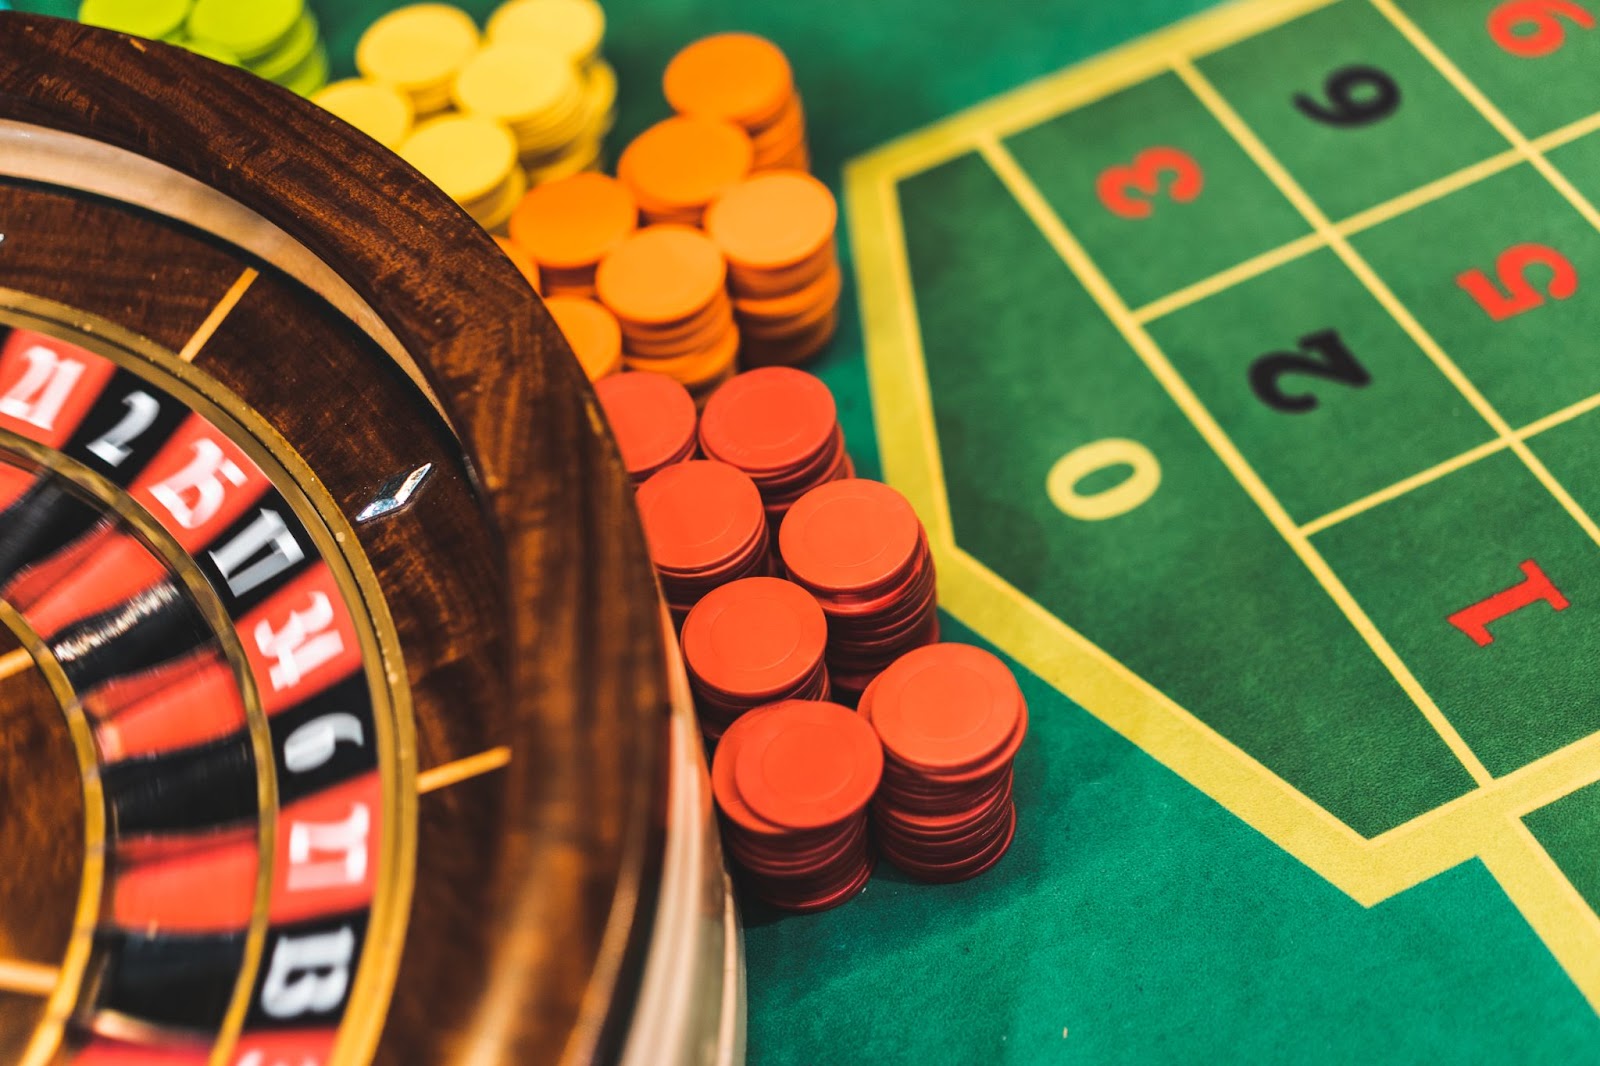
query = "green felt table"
x=1232 y=457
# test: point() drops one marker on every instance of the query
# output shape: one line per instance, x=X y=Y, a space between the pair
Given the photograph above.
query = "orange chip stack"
x=592 y=333
x=653 y=419
x=678 y=166
x=522 y=261
x=746 y=80
x=568 y=226
x=751 y=642
x=705 y=527
x=667 y=287
x=780 y=426
x=777 y=232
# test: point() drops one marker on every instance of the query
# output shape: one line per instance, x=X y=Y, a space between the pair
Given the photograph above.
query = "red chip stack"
x=705 y=527
x=794 y=780
x=858 y=547
x=653 y=418
x=951 y=719
x=754 y=641
x=780 y=426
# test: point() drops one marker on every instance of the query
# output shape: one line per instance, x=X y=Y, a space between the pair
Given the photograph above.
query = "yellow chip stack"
x=536 y=92
x=380 y=111
x=419 y=50
x=574 y=29
x=474 y=160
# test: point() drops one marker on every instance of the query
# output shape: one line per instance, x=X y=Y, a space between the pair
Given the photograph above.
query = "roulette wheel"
x=337 y=719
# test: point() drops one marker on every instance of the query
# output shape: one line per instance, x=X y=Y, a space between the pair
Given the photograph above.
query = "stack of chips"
x=419 y=50
x=858 y=547
x=745 y=80
x=572 y=30
x=653 y=419
x=777 y=232
x=666 y=285
x=473 y=160
x=794 y=780
x=781 y=427
x=537 y=93
x=568 y=226
x=951 y=719
x=278 y=40
x=678 y=166
x=754 y=641
x=592 y=333
x=380 y=111
x=705 y=527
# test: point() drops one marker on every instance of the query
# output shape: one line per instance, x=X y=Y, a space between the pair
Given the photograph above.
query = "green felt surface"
x=1136 y=919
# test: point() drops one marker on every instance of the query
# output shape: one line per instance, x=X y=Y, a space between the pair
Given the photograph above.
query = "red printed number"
x=1534 y=28
x=1516 y=293
x=1534 y=588
x=1127 y=190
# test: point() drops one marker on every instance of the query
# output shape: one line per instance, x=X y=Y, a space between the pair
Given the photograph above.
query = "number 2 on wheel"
x=1516 y=294
x=1129 y=191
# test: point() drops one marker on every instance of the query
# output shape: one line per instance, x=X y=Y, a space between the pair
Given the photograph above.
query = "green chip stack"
x=276 y=39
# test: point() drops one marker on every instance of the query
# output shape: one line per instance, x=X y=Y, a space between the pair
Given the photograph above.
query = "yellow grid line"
x=1077 y=259
x=1450 y=466
x=1387 y=211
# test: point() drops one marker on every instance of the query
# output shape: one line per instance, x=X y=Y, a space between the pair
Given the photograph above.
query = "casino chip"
x=474 y=160
x=754 y=641
x=793 y=781
x=419 y=49
x=667 y=287
x=653 y=418
x=568 y=226
x=380 y=111
x=951 y=719
x=858 y=547
x=705 y=527
x=745 y=80
x=781 y=427
x=777 y=232
x=591 y=331
x=678 y=166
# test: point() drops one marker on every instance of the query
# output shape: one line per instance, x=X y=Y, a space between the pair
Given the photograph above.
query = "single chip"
x=468 y=156
x=773 y=220
x=699 y=515
x=380 y=111
x=516 y=83
x=809 y=764
x=769 y=420
x=735 y=76
x=211 y=50
x=591 y=331
x=723 y=785
x=418 y=48
x=250 y=30
x=946 y=706
x=142 y=18
x=661 y=274
x=849 y=536
x=575 y=28
x=572 y=223
x=759 y=637
x=310 y=76
x=653 y=418
x=685 y=163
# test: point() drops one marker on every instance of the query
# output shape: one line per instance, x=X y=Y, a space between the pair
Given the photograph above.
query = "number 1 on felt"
x=1535 y=587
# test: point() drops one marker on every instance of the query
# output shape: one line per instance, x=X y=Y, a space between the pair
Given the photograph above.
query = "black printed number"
x=1355 y=96
x=1322 y=355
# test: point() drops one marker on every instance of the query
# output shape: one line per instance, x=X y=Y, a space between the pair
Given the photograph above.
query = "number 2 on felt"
x=1323 y=354
x=1356 y=96
x=1519 y=294
x=1117 y=185
x=1531 y=29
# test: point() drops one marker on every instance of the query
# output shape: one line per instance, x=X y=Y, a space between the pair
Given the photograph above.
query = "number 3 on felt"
x=1519 y=294
x=1153 y=172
